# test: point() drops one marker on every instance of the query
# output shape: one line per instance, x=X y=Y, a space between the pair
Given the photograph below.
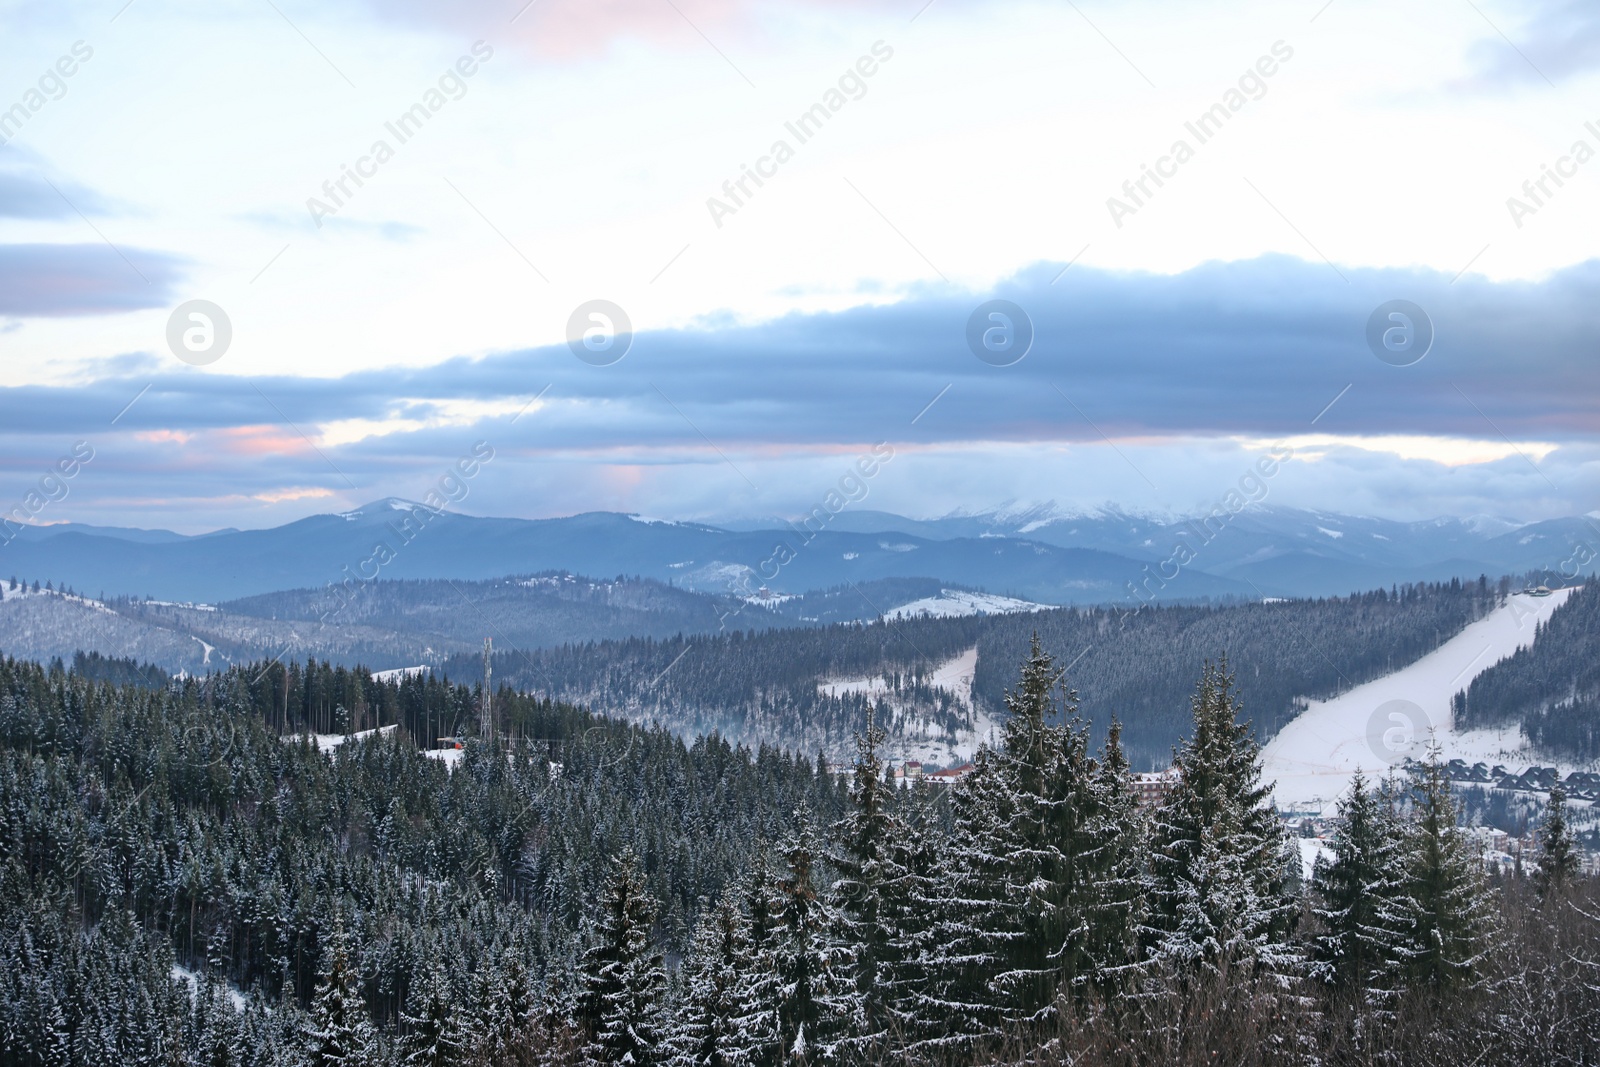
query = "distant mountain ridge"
x=1034 y=552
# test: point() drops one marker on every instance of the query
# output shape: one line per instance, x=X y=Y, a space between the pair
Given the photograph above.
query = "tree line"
x=1550 y=687
x=183 y=881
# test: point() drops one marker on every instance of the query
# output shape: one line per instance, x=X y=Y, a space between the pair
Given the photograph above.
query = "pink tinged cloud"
x=582 y=29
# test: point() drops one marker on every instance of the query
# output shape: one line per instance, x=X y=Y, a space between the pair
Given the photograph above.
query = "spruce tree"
x=1027 y=909
x=952 y=1004
x=620 y=1002
x=706 y=1030
x=1028 y=855
x=1217 y=885
x=432 y=1038
x=811 y=967
x=865 y=859
x=757 y=987
x=218 y=1036
x=908 y=902
x=1558 y=859
x=1360 y=899
x=1448 y=905
x=340 y=1033
x=1117 y=903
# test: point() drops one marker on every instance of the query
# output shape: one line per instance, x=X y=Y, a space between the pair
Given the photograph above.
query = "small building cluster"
x=1579 y=785
x=910 y=772
x=1153 y=787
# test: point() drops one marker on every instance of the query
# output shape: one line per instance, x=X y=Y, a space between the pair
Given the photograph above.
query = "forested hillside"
x=405 y=623
x=1138 y=666
x=181 y=884
x=1551 y=688
x=747 y=684
x=183 y=827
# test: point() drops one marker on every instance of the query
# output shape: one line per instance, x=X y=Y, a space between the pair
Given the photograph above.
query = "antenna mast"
x=486 y=719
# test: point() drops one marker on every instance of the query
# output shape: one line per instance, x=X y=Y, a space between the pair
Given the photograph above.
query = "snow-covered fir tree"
x=1558 y=857
x=339 y=1032
x=1360 y=900
x=1116 y=906
x=1217 y=882
x=951 y=1004
x=619 y=1006
x=908 y=903
x=434 y=1036
x=815 y=998
x=1448 y=917
x=218 y=1030
x=866 y=894
x=705 y=1031
x=758 y=990
x=1041 y=878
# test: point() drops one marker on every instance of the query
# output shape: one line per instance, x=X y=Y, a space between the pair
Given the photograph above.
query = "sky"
x=1363 y=229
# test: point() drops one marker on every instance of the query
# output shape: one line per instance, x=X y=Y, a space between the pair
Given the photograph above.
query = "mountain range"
x=1038 y=553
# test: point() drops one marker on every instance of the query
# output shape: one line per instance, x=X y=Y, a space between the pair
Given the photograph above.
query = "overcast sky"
x=511 y=161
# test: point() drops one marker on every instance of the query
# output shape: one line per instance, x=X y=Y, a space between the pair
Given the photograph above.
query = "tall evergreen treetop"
x=1449 y=913
x=1217 y=884
x=619 y=1006
x=340 y=1033
x=815 y=999
x=1558 y=858
x=1360 y=899
x=869 y=881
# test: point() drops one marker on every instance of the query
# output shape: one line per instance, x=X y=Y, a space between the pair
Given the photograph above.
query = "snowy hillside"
x=1378 y=725
x=951 y=602
x=912 y=736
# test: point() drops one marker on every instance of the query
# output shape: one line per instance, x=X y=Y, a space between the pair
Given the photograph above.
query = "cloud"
x=1256 y=347
x=27 y=192
x=82 y=279
x=568 y=29
x=26 y=196
x=1560 y=41
x=383 y=229
x=1129 y=373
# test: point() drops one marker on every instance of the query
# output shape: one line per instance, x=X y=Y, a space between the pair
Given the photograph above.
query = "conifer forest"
x=190 y=875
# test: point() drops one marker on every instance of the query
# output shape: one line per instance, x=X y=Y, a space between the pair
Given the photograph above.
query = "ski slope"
x=1376 y=726
x=911 y=737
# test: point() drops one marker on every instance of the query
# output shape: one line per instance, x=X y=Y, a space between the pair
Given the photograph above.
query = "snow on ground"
x=192 y=981
x=397 y=673
x=328 y=742
x=912 y=737
x=1310 y=849
x=951 y=602
x=1377 y=725
x=448 y=756
x=206 y=661
x=23 y=592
